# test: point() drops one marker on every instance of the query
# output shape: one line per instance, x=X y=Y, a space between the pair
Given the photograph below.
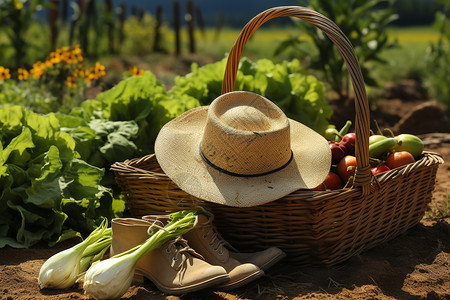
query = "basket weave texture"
x=320 y=228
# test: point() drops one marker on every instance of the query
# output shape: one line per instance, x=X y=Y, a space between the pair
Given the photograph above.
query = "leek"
x=111 y=278
x=62 y=270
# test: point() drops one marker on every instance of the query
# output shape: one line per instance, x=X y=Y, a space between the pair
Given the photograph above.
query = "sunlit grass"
x=420 y=35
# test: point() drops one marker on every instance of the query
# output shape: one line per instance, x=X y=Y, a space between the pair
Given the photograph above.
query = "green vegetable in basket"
x=409 y=143
x=378 y=149
x=376 y=138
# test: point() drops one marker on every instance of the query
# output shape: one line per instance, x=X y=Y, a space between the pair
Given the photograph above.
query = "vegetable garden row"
x=54 y=166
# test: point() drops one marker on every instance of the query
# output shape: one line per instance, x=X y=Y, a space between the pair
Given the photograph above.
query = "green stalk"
x=181 y=222
x=97 y=247
x=343 y=131
x=95 y=235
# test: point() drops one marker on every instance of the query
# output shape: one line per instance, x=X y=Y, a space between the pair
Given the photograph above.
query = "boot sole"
x=243 y=281
x=273 y=261
x=212 y=282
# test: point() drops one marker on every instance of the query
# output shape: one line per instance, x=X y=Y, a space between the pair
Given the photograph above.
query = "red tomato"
x=398 y=159
x=379 y=169
x=337 y=152
x=349 y=141
x=331 y=182
x=346 y=167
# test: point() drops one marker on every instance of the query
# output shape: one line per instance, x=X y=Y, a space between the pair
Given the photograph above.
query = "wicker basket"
x=324 y=227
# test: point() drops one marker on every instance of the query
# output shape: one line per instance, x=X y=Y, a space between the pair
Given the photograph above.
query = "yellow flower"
x=37 y=70
x=22 y=74
x=48 y=64
x=135 y=71
x=76 y=52
x=98 y=71
x=55 y=57
x=18 y=4
x=89 y=77
x=4 y=73
x=68 y=57
x=70 y=81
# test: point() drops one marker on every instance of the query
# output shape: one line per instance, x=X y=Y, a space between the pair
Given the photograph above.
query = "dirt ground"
x=415 y=265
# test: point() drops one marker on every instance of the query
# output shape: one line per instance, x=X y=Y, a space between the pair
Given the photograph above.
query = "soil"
x=414 y=265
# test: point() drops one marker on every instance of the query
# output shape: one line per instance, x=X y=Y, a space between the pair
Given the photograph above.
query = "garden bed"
x=415 y=265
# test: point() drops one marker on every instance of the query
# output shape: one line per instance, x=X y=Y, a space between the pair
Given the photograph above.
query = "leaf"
x=45 y=191
x=20 y=143
x=118 y=148
x=131 y=99
x=82 y=180
x=42 y=127
x=11 y=119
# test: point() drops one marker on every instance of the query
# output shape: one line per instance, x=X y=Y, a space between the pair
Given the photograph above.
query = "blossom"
x=135 y=71
x=4 y=73
x=22 y=74
x=97 y=71
x=37 y=70
x=70 y=81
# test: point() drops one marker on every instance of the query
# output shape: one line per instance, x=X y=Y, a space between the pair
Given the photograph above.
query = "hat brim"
x=177 y=150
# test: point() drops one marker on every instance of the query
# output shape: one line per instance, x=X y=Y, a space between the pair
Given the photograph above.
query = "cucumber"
x=377 y=149
x=375 y=138
x=410 y=143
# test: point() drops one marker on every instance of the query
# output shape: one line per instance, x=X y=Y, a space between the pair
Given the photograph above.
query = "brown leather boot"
x=263 y=259
x=205 y=239
x=175 y=268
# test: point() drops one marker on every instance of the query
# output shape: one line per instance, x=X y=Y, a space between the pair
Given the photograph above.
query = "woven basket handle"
x=362 y=119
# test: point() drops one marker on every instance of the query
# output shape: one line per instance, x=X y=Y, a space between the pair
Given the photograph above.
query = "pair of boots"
x=176 y=268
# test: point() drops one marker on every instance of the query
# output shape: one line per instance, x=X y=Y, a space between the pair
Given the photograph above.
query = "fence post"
x=123 y=12
x=53 y=18
x=176 y=25
x=110 y=25
x=64 y=8
x=157 y=36
x=190 y=21
x=219 y=25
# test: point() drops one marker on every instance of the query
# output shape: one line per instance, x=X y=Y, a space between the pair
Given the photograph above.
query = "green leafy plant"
x=438 y=58
x=300 y=96
x=365 y=25
x=48 y=193
x=25 y=94
x=137 y=100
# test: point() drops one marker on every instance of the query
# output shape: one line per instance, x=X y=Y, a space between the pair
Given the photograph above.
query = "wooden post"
x=53 y=18
x=110 y=25
x=140 y=13
x=123 y=12
x=134 y=11
x=219 y=25
x=64 y=8
x=176 y=25
x=157 y=36
x=190 y=21
x=87 y=17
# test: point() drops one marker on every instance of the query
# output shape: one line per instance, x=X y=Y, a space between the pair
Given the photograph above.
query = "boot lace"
x=217 y=242
x=177 y=245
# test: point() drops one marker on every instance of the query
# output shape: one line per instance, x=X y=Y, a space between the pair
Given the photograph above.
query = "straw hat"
x=241 y=151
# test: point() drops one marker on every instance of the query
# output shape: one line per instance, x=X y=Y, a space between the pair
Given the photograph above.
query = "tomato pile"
x=385 y=153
